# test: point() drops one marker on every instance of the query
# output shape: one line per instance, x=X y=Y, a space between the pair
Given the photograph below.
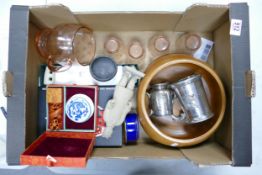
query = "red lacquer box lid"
x=63 y=149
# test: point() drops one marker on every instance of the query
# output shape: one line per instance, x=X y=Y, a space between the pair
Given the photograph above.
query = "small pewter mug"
x=161 y=100
x=192 y=97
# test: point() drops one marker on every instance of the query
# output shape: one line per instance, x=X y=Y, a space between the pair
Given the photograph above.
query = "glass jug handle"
x=56 y=67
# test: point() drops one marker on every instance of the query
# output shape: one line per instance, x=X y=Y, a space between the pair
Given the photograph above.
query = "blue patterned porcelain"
x=79 y=108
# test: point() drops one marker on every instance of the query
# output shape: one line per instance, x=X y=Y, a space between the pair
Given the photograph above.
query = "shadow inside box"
x=207 y=143
x=150 y=142
x=152 y=169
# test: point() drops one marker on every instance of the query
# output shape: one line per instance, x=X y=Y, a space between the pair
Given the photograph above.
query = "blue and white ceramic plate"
x=79 y=108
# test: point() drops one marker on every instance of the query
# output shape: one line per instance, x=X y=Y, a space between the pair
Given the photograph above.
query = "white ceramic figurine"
x=118 y=107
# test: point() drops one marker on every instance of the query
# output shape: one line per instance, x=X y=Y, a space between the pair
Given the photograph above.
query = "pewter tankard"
x=192 y=97
x=161 y=97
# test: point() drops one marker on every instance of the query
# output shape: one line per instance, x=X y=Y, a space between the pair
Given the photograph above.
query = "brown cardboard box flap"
x=198 y=17
x=138 y=21
x=51 y=16
x=202 y=18
x=250 y=79
x=7 y=83
x=209 y=153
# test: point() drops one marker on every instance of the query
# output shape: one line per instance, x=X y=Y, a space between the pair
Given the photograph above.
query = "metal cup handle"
x=182 y=116
x=149 y=95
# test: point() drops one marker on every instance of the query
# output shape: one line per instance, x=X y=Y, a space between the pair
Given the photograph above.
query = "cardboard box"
x=230 y=58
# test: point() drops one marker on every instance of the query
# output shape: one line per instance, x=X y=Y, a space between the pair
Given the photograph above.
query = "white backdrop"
x=146 y=5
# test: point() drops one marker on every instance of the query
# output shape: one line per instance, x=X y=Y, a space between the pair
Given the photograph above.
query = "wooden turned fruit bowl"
x=171 y=68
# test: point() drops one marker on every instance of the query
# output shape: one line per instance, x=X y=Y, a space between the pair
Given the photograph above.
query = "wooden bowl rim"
x=149 y=127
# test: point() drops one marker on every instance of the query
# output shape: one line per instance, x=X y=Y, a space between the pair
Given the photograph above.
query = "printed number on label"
x=236 y=26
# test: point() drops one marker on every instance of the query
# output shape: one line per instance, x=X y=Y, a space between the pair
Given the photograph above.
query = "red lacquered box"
x=68 y=149
x=72 y=143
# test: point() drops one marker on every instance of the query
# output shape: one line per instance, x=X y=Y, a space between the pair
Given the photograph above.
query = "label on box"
x=204 y=50
x=235 y=27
